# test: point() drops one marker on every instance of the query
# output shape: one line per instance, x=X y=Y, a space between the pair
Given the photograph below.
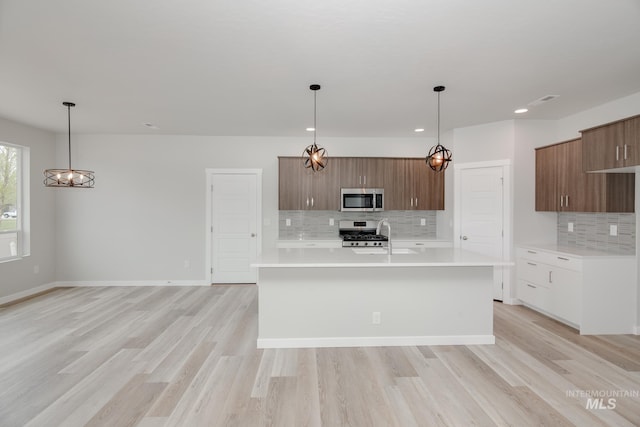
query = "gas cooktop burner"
x=361 y=233
x=357 y=237
x=365 y=240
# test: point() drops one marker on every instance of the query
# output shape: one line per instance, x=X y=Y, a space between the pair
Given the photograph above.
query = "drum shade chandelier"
x=76 y=178
x=315 y=158
x=439 y=157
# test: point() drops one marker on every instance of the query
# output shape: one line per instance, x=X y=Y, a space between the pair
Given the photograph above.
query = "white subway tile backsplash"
x=315 y=224
x=593 y=231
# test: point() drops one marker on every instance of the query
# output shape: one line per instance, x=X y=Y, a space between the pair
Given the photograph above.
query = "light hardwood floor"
x=186 y=356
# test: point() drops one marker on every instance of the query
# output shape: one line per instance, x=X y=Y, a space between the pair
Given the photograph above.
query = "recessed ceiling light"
x=310 y=129
x=521 y=110
x=419 y=130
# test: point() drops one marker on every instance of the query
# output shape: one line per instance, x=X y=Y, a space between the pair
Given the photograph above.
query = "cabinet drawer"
x=535 y=295
x=563 y=261
x=533 y=271
x=532 y=254
x=554 y=259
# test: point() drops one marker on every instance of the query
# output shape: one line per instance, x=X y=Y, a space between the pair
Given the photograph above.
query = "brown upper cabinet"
x=358 y=172
x=300 y=188
x=561 y=184
x=613 y=145
x=414 y=186
x=408 y=183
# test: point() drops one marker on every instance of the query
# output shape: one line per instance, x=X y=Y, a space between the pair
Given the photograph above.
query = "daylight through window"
x=12 y=215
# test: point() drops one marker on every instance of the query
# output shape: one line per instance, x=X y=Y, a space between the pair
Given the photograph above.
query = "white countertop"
x=346 y=257
x=575 y=251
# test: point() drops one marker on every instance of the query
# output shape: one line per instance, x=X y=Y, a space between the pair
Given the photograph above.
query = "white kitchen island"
x=338 y=298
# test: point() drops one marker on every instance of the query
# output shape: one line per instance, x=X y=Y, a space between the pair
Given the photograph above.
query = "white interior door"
x=481 y=216
x=234 y=227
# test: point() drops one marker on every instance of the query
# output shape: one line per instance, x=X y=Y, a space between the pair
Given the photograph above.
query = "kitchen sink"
x=383 y=251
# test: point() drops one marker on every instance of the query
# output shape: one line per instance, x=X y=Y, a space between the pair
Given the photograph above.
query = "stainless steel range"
x=361 y=233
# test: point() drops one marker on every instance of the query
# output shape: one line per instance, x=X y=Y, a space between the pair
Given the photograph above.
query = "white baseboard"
x=637 y=330
x=374 y=341
x=99 y=283
x=27 y=293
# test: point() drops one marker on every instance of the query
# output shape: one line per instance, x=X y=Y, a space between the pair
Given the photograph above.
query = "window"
x=13 y=203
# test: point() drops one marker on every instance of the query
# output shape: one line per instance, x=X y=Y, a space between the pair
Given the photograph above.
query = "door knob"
x=253 y=234
x=465 y=238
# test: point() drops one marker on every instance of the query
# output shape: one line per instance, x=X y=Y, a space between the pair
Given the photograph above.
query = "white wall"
x=570 y=126
x=19 y=276
x=146 y=214
x=486 y=142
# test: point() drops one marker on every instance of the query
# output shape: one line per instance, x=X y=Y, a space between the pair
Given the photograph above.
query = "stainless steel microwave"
x=361 y=199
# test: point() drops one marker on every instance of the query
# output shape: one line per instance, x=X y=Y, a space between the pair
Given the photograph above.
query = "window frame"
x=22 y=231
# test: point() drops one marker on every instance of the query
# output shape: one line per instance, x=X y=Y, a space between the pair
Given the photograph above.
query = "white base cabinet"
x=592 y=292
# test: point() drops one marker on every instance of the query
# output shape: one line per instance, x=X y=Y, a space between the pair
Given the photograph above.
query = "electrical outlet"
x=288 y=222
x=36 y=269
x=375 y=318
x=423 y=221
x=331 y=222
x=570 y=227
x=613 y=230
x=187 y=264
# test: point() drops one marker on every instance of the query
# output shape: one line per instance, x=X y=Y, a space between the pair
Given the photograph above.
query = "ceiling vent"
x=542 y=100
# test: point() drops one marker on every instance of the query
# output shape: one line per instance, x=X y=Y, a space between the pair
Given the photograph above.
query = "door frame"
x=507 y=216
x=210 y=172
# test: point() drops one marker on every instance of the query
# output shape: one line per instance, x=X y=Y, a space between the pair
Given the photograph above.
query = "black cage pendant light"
x=315 y=158
x=76 y=178
x=439 y=157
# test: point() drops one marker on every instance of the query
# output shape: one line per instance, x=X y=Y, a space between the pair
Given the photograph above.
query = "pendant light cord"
x=69 y=132
x=438 y=118
x=315 y=127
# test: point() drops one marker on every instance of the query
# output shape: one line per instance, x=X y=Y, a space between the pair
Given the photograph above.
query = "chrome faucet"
x=385 y=221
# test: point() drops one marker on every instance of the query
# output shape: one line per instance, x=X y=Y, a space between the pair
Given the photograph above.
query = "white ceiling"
x=243 y=67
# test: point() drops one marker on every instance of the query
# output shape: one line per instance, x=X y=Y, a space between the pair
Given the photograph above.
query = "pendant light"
x=439 y=157
x=76 y=178
x=315 y=158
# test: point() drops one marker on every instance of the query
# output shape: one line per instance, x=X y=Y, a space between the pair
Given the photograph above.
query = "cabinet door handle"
x=550 y=281
x=416 y=202
x=566 y=201
x=365 y=180
x=561 y=201
x=531 y=286
x=312 y=202
x=625 y=152
x=563 y=258
x=412 y=202
x=307 y=202
x=533 y=264
x=532 y=252
x=617 y=153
